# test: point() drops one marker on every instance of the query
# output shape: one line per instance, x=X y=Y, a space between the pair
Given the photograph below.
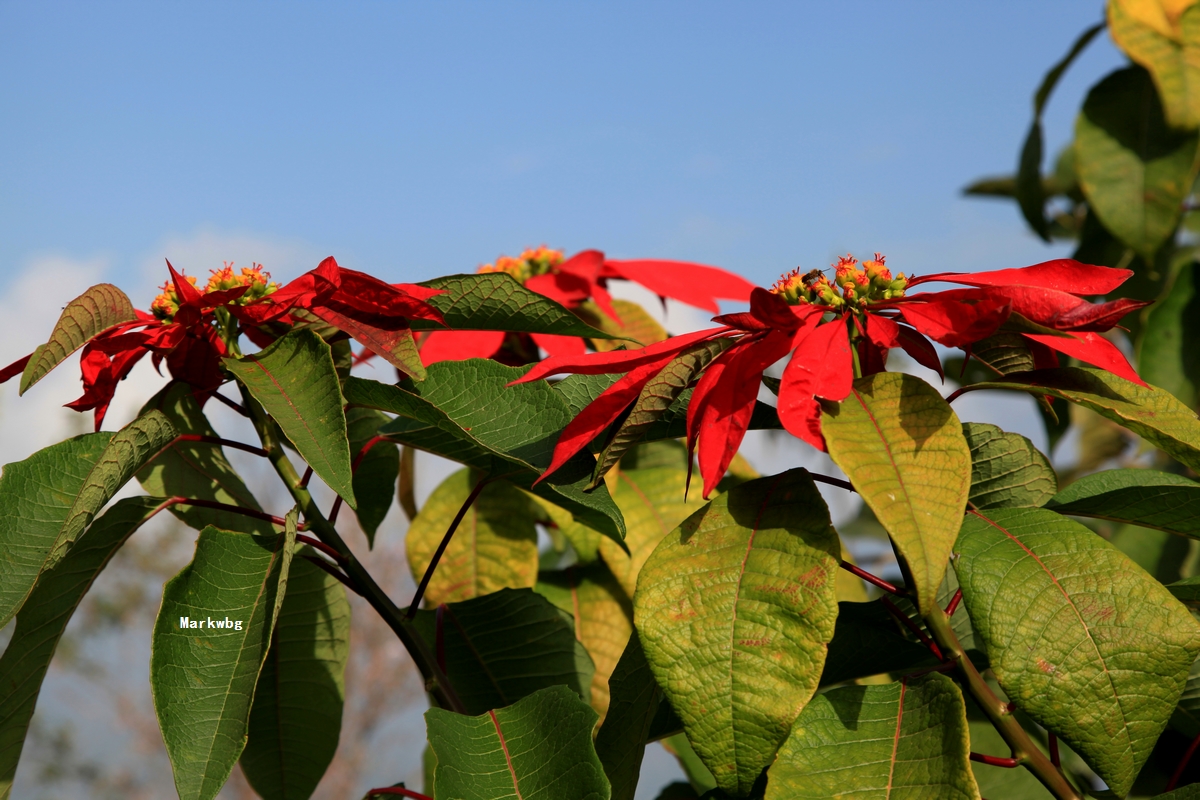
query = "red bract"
x=836 y=330
x=574 y=281
x=183 y=327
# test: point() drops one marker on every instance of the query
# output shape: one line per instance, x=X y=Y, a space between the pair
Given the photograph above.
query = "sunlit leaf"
x=635 y=324
x=902 y=447
x=1007 y=471
x=540 y=748
x=734 y=609
x=203 y=678
x=904 y=741
x=1080 y=637
x=1167 y=43
x=93 y=312
x=295 y=381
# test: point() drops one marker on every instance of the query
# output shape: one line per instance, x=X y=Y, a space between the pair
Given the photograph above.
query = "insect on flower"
x=837 y=330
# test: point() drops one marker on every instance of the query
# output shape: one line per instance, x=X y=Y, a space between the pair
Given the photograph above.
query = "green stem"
x=436 y=682
x=1024 y=750
x=853 y=333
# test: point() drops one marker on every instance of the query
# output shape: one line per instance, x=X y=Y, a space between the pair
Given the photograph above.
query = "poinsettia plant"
x=577 y=599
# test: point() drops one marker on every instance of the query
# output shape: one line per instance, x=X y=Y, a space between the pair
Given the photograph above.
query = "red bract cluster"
x=185 y=330
x=573 y=282
x=835 y=330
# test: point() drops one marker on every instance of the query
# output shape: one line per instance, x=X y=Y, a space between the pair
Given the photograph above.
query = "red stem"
x=245 y=512
x=337 y=503
x=841 y=484
x=217 y=440
x=995 y=761
x=327 y=567
x=439 y=638
x=397 y=790
x=1054 y=757
x=437 y=555
x=238 y=407
x=1183 y=762
x=317 y=544
x=308 y=473
x=955 y=394
x=954 y=601
x=912 y=626
x=873 y=580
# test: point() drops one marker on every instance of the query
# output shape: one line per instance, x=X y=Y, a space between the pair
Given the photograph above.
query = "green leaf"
x=653 y=503
x=466 y=412
x=603 y=618
x=734 y=609
x=1168 y=357
x=92 y=313
x=902 y=447
x=203 y=679
x=1133 y=169
x=196 y=469
x=636 y=324
x=1141 y=497
x=1080 y=637
x=1149 y=412
x=1170 y=51
x=507 y=645
x=49 y=499
x=905 y=740
x=295 y=381
x=698 y=775
x=1028 y=187
x=494 y=547
x=621 y=742
x=540 y=748
x=866 y=641
x=656 y=397
x=1007 y=471
x=376 y=475
x=297 y=712
x=1186 y=718
x=42 y=620
x=585 y=540
x=498 y=302
x=1191 y=792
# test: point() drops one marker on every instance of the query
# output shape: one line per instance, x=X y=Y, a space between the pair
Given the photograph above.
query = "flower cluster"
x=851 y=286
x=258 y=283
x=530 y=264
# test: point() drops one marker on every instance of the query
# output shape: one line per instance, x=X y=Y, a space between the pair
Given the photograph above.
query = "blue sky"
x=411 y=140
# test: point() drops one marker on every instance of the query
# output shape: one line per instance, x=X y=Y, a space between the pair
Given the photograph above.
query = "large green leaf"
x=1080 y=637
x=655 y=398
x=1143 y=497
x=867 y=641
x=42 y=620
x=505 y=646
x=1007 y=471
x=1168 y=47
x=203 y=677
x=903 y=741
x=1134 y=170
x=93 y=312
x=376 y=474
x=466 y=412
x=1149 y=412
x=734 y=609
x=494 y=547
x=621 y=742
x=603 y=618
x=297 y=712
x=496 y=301
x=1191 y=792
x=902 y=447
x=49 y=499
x=653 y=502
x=295 y=381
x=1169 y=358
x=196 y=470
x=539 y=748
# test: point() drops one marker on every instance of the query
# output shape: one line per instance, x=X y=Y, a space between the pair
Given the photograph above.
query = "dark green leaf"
x=295 y=381
x=497 y=302
x=866 y=641
x=203 y=678
x=1084 y=641
x=297 y=712
x=1169 y=357
x=376 y=474
x=1007 y=471
x=41 y=622
x=1134 y=170
x=93 y=312
x=903 y=740
x=1141 y=497
x=734 y=609
x=540 y=748
x=505 y=646
x=621 y=743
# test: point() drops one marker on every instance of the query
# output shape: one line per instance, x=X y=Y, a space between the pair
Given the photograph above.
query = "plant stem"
x=217 y=440
x=1024 y=750
x=435 y=679
x=437 y=555
x=1183 y=762
x=872 y=579
x=853 y=334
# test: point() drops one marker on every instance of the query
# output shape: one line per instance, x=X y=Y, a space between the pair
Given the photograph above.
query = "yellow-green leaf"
x=93 y=312
x=902 y=447
x=735 y=609
x=1164 y=37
